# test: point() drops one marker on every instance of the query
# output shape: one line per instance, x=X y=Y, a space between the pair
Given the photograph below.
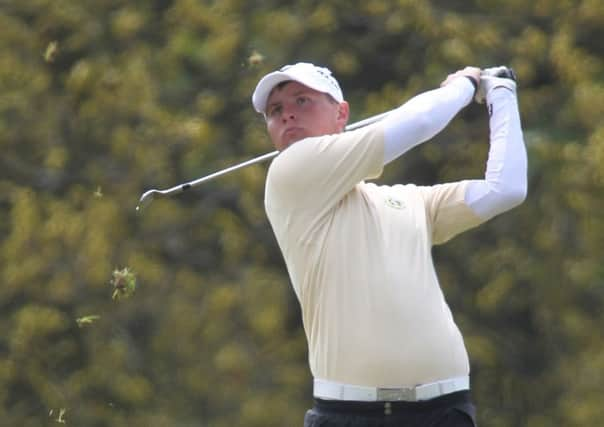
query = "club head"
x=145 y=199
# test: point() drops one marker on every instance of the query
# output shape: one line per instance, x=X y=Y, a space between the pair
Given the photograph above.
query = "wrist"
x=474 y=83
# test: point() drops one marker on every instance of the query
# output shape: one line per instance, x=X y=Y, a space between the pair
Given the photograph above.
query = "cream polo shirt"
x=359 y=259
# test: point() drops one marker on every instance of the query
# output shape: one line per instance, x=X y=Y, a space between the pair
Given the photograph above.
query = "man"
x=383 y=347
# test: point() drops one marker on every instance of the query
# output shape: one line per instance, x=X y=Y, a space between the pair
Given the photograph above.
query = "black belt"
x=455 y=399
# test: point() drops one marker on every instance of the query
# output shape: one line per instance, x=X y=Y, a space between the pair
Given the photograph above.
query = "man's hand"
x=490 y=78
x=472 y=73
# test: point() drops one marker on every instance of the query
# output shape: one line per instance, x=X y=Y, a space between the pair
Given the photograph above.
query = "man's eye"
x=302 y=100
x=274 y=111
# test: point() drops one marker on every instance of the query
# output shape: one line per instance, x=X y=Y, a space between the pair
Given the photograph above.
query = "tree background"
x=101 y=100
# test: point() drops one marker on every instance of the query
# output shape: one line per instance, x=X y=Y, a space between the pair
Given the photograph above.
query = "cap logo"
x=394 y=203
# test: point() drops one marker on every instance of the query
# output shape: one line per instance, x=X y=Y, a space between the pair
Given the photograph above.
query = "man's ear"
x=343 y=114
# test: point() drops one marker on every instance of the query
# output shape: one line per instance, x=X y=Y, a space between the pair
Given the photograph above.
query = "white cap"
x=317 y=78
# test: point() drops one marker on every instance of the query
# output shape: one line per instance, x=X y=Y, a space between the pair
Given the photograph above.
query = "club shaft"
x=368 y=121
x=230 y=169
x=187 y=185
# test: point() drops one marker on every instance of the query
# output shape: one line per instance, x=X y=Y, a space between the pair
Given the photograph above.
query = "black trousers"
x=451 y=410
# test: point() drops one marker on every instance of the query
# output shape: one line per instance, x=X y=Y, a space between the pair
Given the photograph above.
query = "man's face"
x=295 y=112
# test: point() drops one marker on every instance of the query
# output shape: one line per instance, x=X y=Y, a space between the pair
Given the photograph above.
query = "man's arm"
x=425 y=115
x=505 y=182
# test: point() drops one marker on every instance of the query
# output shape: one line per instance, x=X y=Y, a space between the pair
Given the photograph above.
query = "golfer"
x=383 y=347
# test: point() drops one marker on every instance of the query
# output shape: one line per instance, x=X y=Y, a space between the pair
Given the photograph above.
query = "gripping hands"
x=486 y=80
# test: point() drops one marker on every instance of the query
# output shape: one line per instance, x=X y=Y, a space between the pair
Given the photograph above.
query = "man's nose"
x=288 y=113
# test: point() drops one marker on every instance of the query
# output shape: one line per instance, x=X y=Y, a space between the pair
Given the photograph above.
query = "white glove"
x=490 y=78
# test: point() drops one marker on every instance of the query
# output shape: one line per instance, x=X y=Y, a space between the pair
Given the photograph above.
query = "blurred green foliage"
x=103 y=99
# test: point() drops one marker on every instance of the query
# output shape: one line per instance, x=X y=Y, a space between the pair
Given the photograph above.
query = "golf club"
x=148 y=196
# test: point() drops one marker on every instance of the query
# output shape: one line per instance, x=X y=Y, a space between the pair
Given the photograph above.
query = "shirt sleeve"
x=316 y=173
x=447 y=213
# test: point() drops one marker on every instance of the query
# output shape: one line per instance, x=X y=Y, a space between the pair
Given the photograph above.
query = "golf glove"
x=490 y=78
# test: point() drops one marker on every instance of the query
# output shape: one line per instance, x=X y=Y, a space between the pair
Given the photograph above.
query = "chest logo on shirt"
x=394 y=203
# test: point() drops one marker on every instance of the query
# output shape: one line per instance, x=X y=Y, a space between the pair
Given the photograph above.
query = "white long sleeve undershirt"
x=425 y=115
x=505 y=183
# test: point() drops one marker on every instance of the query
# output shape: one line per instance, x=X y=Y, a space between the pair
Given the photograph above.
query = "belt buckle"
x=395 y=394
